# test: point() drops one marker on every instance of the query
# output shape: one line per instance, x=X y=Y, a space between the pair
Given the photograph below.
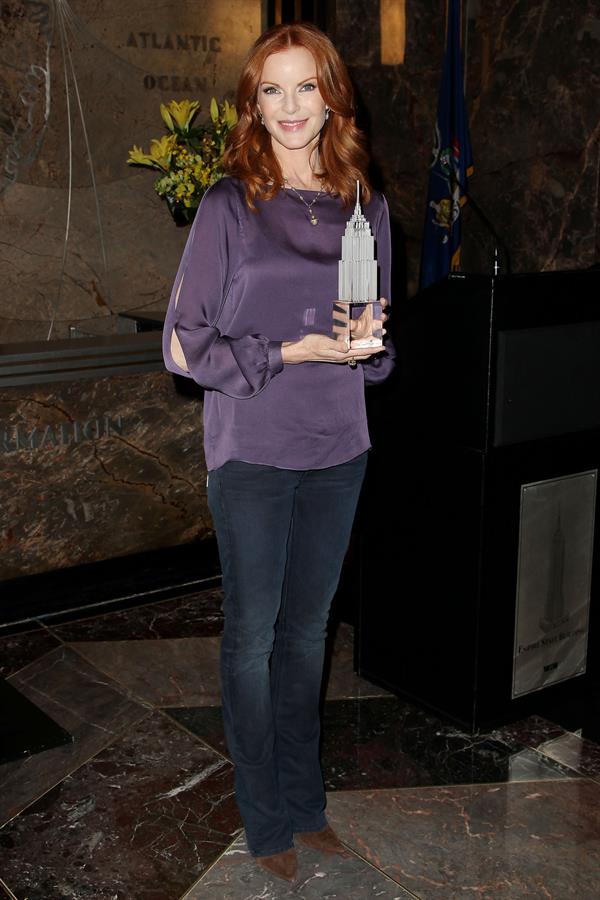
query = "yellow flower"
x=138 y=157
x=181 y=114
x=214 y=110
x=230 y=114
x=166 y=117
x=161 y=151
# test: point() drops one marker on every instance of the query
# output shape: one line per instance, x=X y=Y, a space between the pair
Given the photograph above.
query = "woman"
x=285 y=432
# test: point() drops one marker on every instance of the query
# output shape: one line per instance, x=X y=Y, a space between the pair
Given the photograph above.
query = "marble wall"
x=533 y=78
x=99 y=468
x=82 y=234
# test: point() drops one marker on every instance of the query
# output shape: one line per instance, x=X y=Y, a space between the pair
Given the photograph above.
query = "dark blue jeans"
x=282 y=538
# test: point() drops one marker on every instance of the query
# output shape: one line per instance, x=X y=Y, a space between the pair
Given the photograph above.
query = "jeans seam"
x=283 y=611
x=234 y=588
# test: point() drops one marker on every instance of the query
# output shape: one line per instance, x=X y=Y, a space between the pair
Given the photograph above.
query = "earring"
x=262 y=121
x=326 y=113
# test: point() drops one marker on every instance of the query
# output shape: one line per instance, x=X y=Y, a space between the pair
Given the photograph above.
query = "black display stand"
x=498 y=386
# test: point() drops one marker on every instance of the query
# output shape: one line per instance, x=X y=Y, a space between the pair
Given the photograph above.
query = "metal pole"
x=466 y=44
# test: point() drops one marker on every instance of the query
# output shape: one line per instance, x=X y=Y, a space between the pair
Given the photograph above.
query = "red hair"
x=342 y=155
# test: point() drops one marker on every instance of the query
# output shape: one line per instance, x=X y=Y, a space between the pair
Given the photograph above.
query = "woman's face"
x=289 y=99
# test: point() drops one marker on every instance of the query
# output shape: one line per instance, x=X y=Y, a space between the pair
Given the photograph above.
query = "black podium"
x=478 y=542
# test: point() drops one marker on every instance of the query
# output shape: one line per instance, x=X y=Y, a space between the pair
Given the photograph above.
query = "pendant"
x=314 y=220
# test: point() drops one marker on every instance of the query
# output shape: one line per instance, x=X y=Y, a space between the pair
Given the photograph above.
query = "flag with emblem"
x=451 y=163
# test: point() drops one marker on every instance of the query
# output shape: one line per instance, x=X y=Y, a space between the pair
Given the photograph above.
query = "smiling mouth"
x=293 y=125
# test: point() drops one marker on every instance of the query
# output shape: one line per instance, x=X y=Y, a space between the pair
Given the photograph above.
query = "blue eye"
x=309 y=87
x=269 y=90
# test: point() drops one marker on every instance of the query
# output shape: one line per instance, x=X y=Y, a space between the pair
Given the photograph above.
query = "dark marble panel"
x=143 y=819
x=169 y=672
x=19 y=650
x=533 y=106
x=78 y=698
x=577 y=753
x=194 y=615
x=237 y=877
x=357 y=31
x=505 y=841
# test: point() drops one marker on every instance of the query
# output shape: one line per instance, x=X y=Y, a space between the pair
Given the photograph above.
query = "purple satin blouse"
x=248 y=281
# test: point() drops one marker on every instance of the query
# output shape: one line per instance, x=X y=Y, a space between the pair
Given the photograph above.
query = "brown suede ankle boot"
x=282 y=865
x=325 y=840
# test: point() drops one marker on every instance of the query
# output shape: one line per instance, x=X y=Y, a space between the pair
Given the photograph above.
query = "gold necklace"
x=311 y=216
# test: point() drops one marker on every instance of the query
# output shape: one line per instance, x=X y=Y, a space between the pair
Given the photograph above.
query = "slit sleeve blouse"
x=247 y=281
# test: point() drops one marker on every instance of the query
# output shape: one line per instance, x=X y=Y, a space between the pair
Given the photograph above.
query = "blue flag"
x=451 y=165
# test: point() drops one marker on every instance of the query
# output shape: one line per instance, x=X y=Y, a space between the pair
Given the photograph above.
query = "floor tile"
x=580 y=755
x=185 y=671
x=385 y=742
x=76 y=696
x=19 y=650
x=170 y=672
x=530 y=732
x=200 y=615
x=482 y=841
x=25 y=729
x=359 y=746
x=195 y=615
x=143 y=819
x=206 y=722
x=237 y=877
x=445 y=754
x=380 y=742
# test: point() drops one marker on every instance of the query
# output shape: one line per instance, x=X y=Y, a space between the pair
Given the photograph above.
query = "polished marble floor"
x=140 y=805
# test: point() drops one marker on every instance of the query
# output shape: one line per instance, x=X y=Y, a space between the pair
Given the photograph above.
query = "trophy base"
x=358 y=324
x=366 y=343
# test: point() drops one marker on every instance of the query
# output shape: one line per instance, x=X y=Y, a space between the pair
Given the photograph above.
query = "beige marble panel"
x=141 y=244
x=117 y=467
x=82 y=234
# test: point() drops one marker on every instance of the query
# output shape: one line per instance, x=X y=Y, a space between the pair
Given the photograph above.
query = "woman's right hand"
x=320 y=348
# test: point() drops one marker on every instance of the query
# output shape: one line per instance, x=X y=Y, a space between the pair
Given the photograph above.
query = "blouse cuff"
x=275 y=357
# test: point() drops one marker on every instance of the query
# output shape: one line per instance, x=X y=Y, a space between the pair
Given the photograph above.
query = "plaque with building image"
x=556 y=538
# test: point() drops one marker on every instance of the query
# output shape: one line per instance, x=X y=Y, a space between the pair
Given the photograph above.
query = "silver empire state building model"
x=357 y=312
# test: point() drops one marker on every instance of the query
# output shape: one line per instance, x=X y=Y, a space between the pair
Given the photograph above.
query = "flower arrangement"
x=188 y=158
